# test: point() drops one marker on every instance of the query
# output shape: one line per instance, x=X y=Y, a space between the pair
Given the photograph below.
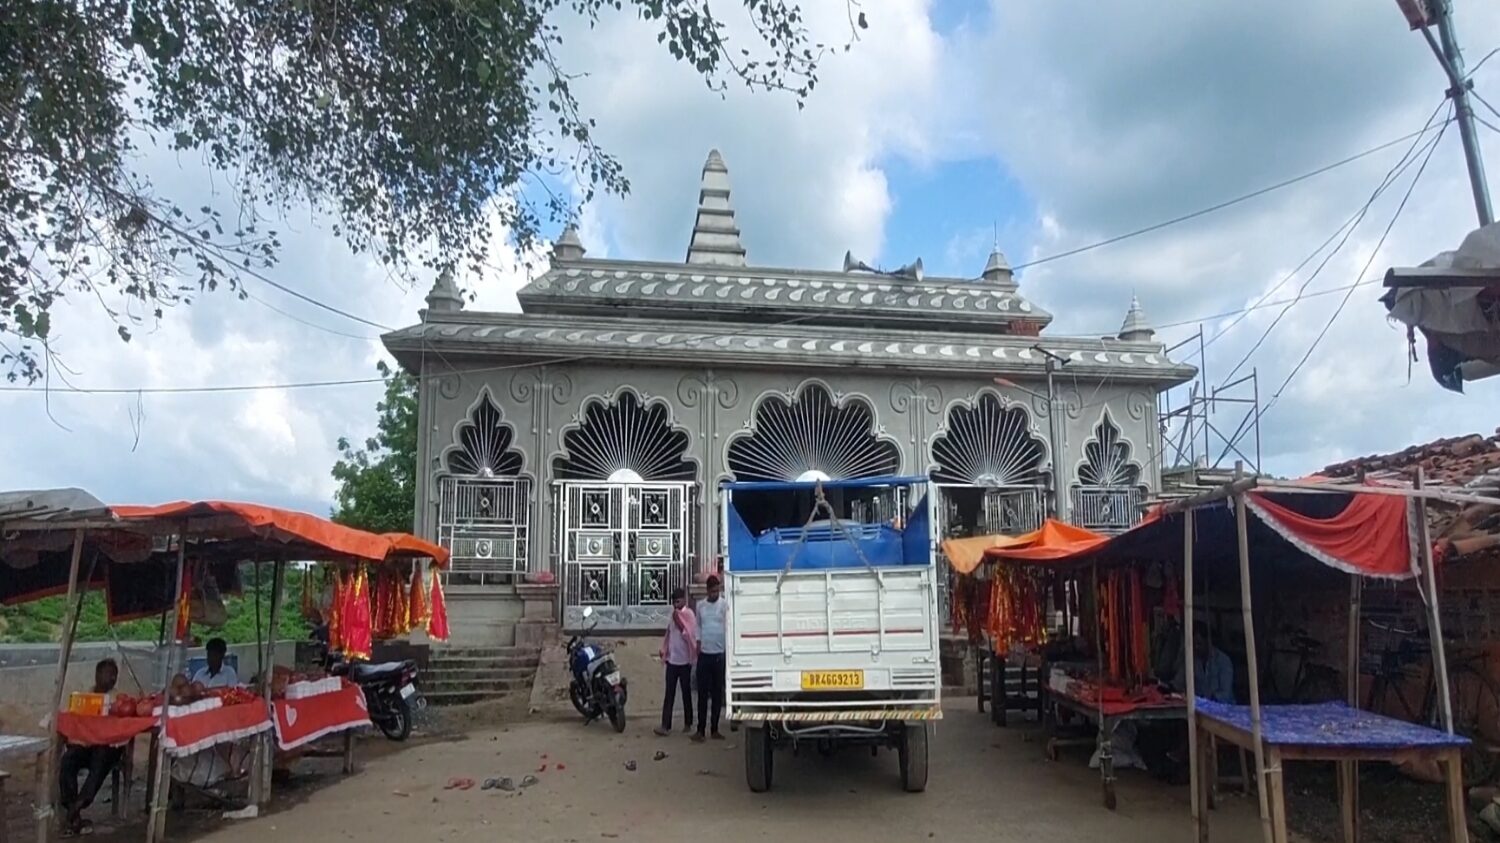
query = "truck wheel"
x=758 y=758
x=913 y=753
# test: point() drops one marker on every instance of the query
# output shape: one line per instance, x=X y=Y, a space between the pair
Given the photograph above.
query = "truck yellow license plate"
x=833 y=680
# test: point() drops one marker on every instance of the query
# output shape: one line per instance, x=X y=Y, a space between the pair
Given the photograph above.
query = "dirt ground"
x=986 y=784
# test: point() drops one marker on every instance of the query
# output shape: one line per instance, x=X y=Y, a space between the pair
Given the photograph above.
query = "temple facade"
x=570 y=454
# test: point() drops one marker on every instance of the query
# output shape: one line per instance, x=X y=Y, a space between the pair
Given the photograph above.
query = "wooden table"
x=1347 y=755
x=19 y=746
x=1107 y=719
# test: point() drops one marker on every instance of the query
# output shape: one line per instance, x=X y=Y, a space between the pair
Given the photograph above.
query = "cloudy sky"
x=951 y=123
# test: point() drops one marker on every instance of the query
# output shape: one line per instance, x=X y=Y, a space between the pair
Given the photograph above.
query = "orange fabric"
x=1054 y=540
x=437 y=619
x=184 y=605
x=418 y=608
x=966 y=554
x=314 y=539
x=335 y=617
x=408 y=546
x=1371 y=537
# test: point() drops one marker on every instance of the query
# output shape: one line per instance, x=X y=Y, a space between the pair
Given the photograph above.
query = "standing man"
x=216 y=674
x=711 y=619
x=679 y=649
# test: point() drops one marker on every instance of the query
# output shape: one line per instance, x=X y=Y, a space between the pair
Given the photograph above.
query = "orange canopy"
x=1052 y=541
x=304 y=537
x=966 y=554
x=408 y=546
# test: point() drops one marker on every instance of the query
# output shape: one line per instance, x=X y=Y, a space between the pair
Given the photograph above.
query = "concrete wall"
x=29 y=671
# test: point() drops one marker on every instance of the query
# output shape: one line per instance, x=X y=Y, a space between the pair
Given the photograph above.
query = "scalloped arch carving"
x=625 y=440
x=483 y=443
x=811 y=435
x=989 y=443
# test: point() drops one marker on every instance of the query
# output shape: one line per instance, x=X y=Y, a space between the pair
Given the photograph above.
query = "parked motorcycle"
x=597 y=688
x=391 y=695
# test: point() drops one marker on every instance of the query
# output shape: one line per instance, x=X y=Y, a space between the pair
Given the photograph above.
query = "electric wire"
x=1222 y=205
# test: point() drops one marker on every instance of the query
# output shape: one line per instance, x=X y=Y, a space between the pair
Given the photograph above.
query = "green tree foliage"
x=377 y=483
x=41 y=621
x=417 y=127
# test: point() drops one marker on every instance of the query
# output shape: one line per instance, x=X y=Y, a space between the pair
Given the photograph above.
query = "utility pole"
x=1424 y=15
x=1060 y=501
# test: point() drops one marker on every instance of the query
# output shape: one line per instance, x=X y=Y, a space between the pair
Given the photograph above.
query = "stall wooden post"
x=1264 y=783
x=268 y=661
x=1105 y=739
x=156 y=823
x=1196 y=773
x=45 y=811
x=1348 y=771
x=1434 y=617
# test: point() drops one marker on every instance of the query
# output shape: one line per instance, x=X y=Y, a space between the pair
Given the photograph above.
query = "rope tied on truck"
x=821 y=505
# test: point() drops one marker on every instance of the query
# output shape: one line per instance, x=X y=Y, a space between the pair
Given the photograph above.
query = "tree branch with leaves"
x=416 y=127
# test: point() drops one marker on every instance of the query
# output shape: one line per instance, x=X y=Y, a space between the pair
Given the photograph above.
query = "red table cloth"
x=305 y=720
x=186 y=734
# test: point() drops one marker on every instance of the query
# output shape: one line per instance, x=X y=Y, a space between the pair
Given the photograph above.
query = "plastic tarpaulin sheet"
x=308 y=536
x=966 y=554
x=1053 y=541
x=1329 y=725
x=1372 y=537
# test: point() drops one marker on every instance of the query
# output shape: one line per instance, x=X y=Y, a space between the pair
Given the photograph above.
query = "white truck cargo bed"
x=853 y=643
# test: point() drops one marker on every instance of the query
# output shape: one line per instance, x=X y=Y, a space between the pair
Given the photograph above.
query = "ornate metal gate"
x=624 y=547
x=484 y=522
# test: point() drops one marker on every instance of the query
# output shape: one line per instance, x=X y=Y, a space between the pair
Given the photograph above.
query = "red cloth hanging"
x=184 y=603
x=437 y=621
x=1372 y=537
x=358 y=628
x=419 y=610
x=335 y=610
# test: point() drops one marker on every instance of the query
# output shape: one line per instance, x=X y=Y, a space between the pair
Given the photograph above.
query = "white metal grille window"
x=809 y=436
x=1108 y=494
x=484 y=505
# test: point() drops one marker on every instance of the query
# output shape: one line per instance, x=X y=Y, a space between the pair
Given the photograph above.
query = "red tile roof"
x=1456 y=461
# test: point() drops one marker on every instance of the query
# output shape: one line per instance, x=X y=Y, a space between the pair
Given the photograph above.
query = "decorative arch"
x=811 y=434
x=989 y=442
x=1107 y=461
x=623 y=438
x=483 y=443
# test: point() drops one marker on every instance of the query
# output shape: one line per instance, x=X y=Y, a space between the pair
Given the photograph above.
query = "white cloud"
x=1108 y=117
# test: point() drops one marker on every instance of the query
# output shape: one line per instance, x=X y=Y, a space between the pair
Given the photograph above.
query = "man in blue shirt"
x=1213 y=673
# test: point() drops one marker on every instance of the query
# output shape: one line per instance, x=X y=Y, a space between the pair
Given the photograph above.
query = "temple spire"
x=444 y=296
x=716 y=237
x=1135 y=326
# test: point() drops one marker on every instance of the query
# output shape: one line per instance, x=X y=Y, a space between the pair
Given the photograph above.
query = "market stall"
x=147 y=560
x=1090 y=627
x=1368 y=533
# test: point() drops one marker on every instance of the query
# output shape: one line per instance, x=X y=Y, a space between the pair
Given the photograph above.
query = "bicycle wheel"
x=1476 y=704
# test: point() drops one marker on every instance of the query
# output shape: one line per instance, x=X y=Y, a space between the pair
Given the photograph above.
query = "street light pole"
x=1060 y=503
x=1423 y=15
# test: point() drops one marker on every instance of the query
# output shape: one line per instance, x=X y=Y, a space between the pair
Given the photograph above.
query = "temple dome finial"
x=444 y=297
x=716 y=236
x=1135 y=327
x=568 y=247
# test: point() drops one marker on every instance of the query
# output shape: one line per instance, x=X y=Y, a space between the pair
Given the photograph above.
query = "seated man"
x=96 y=761
x=1213 y=675
x=216 y=674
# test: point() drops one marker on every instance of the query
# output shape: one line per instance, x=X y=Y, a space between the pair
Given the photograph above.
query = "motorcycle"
x=597 y=688
x=391 y=695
